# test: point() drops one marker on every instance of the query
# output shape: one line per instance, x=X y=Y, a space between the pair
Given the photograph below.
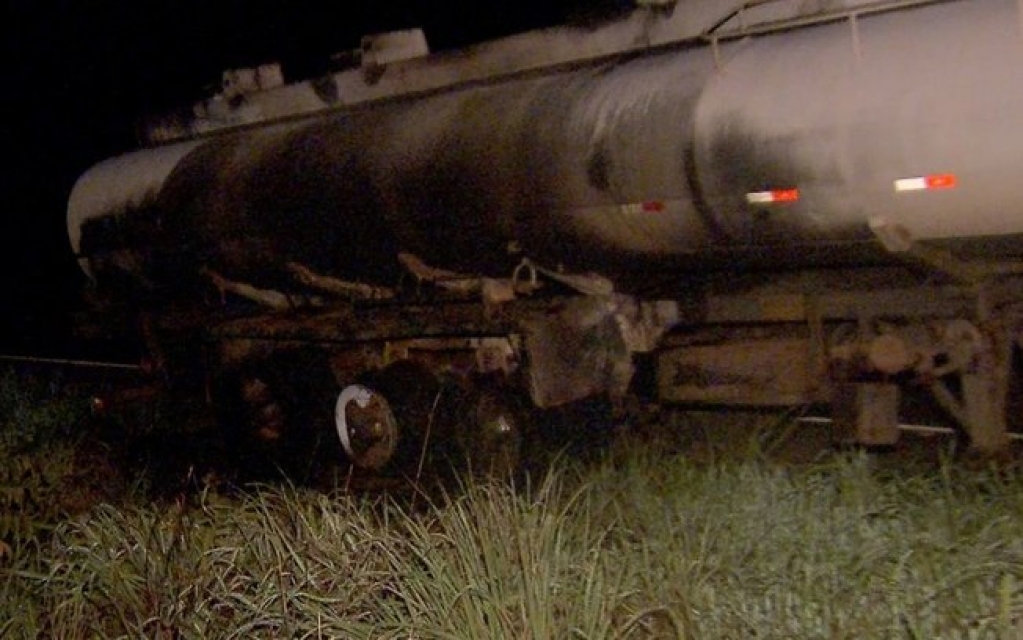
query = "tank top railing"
x=740 y=14
x=717 y=33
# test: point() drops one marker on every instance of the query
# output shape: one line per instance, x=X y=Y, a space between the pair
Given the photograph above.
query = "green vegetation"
x=38 y=444
x=646 y=543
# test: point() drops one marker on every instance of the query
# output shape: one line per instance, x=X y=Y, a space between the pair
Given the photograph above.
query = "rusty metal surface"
x=751 y=372
x=399 y=320
x=576 y=353
x=867 y=413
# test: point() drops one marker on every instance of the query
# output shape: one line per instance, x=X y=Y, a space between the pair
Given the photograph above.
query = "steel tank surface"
x=860 y=113
x=771 y=150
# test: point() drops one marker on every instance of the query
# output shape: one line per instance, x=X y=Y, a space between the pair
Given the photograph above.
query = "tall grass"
x=644 y=544
x=38 y=444
x=647 y=547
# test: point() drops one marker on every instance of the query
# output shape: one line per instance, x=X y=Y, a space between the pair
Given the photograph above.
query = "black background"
x=80 y=73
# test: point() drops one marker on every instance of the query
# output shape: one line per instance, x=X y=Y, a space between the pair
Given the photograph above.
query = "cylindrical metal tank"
x=855 y=113
x=770 y=150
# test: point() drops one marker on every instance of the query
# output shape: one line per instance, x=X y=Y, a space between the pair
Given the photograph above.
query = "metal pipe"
x=71 y=363
x=911 y=428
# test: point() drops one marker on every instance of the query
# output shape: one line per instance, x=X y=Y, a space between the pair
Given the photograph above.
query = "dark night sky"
x=80 y=73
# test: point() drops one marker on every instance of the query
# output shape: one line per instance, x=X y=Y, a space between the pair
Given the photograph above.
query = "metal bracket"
x=898 y=240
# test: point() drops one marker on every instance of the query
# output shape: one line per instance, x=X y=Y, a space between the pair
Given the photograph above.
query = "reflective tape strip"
x=647 y=206
x=772 y=197
x=926 y=183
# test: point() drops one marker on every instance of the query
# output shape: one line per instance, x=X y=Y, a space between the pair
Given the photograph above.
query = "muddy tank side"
x=456 y=178
x=633 y=164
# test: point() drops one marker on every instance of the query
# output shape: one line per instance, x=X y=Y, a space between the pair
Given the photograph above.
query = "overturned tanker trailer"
x=781 y=203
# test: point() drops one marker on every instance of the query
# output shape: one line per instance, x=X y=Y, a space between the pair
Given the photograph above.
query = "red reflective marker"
x=932 y=182
x=773 y=197
x=646 y=206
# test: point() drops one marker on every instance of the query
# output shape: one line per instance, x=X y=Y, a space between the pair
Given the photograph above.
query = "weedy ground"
x=677 y=536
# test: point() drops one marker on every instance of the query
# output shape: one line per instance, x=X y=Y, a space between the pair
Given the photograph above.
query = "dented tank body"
x=777 y=137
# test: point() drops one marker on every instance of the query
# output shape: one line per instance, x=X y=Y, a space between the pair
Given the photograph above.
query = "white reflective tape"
x=760 y=197
x=934 y=181
x=911 y=184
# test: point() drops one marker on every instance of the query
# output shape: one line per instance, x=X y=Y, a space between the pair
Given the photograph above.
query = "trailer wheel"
x=366 y=427
x=270 y=410
x=405 y=419
x=490 y=435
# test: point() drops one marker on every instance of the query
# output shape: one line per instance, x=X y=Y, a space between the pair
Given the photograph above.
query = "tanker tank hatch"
x=238 y=82
x=381 y=49
x=394 y=46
